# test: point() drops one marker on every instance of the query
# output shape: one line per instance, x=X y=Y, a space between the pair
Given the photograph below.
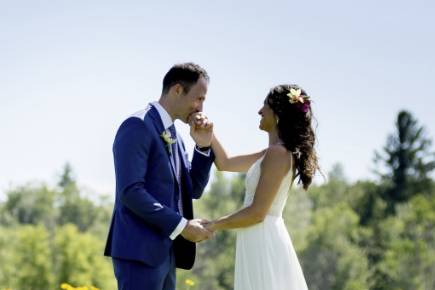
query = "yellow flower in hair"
x=294 y=96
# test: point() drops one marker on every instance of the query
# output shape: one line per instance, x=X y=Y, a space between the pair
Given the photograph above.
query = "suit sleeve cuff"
x=181 y=225
x=206 y=153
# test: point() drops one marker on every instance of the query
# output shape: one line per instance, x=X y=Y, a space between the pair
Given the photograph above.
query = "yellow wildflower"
x=65 y=286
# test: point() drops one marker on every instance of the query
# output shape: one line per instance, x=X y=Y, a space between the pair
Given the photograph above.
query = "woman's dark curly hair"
x=295 y=130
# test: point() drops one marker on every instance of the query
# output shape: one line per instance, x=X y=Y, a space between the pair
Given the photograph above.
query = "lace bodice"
x=251 y=182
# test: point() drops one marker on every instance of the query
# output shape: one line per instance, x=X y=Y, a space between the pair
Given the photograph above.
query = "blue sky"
x=71 y=71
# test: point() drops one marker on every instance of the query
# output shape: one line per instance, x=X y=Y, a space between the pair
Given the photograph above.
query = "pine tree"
x=407 y=160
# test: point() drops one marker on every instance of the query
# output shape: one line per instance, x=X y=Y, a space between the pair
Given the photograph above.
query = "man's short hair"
x=185 y=74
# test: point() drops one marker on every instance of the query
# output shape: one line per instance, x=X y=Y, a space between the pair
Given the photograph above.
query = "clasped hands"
x=201 y=129
x=198 y=230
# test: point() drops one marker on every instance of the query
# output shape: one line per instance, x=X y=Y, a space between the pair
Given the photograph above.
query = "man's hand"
x=201 y=129
x=195 y=231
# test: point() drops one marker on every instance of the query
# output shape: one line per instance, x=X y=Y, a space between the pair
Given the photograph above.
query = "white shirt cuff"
x=181 y=225
x=205 y=153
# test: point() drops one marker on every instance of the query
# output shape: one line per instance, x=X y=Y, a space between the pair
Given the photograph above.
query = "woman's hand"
x=210 y=225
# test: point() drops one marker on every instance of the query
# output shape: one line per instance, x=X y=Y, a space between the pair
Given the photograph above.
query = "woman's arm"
x=274 y=167
x=234 y=164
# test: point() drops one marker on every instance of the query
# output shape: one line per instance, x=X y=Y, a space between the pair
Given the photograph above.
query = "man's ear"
x=177 y=89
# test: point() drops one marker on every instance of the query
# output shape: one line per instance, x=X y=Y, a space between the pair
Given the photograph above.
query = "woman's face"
x=268 y=118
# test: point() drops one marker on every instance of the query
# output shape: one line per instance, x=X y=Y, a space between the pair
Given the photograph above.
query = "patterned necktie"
x=176 y=159
x=174 y=145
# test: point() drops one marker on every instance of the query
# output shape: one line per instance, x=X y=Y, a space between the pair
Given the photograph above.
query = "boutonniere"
x=166 y=136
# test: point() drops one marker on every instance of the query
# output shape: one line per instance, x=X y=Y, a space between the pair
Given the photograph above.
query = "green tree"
x=72 y=206
x=103 y=209
x=332 y=259
x=29 y=204
x=367 y=202
x=335 y=190
x=32 y=259
x=37 y=204
x=409 y=238
x=7 y=265
x=78 y=259
x=370 y=208
x=79 y=211
x=407 y=161
x=67 y=179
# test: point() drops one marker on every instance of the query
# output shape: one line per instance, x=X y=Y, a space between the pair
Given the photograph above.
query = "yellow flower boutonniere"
x=166 y=136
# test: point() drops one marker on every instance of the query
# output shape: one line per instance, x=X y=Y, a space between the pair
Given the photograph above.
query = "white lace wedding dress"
x=265 y=257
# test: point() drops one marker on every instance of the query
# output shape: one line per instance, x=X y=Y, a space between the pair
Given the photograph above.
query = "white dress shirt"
x=168 y=122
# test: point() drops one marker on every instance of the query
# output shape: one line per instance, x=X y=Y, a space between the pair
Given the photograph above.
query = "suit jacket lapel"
x=184 y=168
x=183 y=165
x=185 y=183
x=158 y=124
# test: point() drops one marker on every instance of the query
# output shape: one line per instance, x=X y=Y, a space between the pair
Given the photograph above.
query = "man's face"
x=192 y=102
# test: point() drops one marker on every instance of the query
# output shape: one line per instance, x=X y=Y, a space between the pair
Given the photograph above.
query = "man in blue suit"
x=152 y=229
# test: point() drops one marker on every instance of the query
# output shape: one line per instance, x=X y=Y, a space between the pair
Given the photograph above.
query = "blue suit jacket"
x=145 y=211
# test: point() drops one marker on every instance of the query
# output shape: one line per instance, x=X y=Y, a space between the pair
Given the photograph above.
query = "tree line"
x=368 y=234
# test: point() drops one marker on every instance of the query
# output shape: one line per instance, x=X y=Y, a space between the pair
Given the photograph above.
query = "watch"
x=203 y=149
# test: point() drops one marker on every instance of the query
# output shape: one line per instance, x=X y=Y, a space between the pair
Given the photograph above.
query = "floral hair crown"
x=301 y=101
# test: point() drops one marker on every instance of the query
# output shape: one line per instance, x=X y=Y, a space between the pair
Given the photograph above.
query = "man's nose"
x=199 y=108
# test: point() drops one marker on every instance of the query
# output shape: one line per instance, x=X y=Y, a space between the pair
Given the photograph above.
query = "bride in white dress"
x=265 y=256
